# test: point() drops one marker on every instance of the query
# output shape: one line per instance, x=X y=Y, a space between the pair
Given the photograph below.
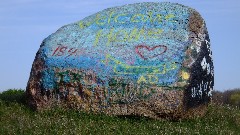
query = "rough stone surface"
x=148 y=59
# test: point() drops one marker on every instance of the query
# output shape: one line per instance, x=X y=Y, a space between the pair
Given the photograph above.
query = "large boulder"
x=148 y=59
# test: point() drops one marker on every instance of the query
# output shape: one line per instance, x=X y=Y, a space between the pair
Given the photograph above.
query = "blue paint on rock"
x=130 y=42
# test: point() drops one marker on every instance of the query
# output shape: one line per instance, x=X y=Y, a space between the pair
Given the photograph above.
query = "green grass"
x=17 y=118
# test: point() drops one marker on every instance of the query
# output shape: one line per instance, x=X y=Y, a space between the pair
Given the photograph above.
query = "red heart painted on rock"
x=147 y=52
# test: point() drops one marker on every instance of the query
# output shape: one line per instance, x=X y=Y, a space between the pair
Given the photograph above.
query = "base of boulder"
x=164 y=104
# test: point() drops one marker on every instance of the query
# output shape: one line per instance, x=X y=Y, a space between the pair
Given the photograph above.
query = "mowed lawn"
x=17 y=118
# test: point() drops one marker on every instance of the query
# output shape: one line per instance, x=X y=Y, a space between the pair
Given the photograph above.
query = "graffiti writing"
x=127 y=56
x=126 y=35
x=62 y=50
x=119 y=90
x=122 y=68
x=202 y=88
x=128 y=18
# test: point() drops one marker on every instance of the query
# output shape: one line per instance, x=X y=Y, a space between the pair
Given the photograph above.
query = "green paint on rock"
x=150 y=59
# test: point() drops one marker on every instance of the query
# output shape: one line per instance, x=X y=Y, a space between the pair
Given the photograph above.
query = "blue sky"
x=25 y=23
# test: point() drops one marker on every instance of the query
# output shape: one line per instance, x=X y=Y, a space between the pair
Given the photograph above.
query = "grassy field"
x=17 y=118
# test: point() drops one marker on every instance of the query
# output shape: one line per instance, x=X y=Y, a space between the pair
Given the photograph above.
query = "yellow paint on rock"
x=185 y=75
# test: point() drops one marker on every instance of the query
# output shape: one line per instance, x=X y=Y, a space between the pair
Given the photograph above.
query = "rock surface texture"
x=147 y=59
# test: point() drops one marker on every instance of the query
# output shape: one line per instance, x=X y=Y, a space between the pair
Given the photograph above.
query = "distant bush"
x=229 y=97
x=13 y=95
x=235 y=98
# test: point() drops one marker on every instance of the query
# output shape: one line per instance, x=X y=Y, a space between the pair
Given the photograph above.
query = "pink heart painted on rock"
x=147 y=52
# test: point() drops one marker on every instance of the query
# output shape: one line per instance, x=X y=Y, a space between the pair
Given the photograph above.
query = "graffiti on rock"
x=146 y=52
x=64 y=50
x=87 y=84
x=125 y=56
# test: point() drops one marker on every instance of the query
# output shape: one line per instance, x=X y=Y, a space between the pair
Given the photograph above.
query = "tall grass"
x=17 y=118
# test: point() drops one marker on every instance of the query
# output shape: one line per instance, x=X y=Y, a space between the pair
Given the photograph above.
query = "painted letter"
x=109 y=18
x=133 y=19
x=121 y=36
x=158 y=18
x=116 y=18
x=98 y=20
x=110 y=37
x=141 y=79
x=99 y=33
x=168 y=17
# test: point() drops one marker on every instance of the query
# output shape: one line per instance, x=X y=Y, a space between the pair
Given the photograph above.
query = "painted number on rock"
x=64 y=51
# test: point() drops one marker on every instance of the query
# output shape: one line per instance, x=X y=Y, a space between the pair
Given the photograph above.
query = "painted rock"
x=148 y=59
